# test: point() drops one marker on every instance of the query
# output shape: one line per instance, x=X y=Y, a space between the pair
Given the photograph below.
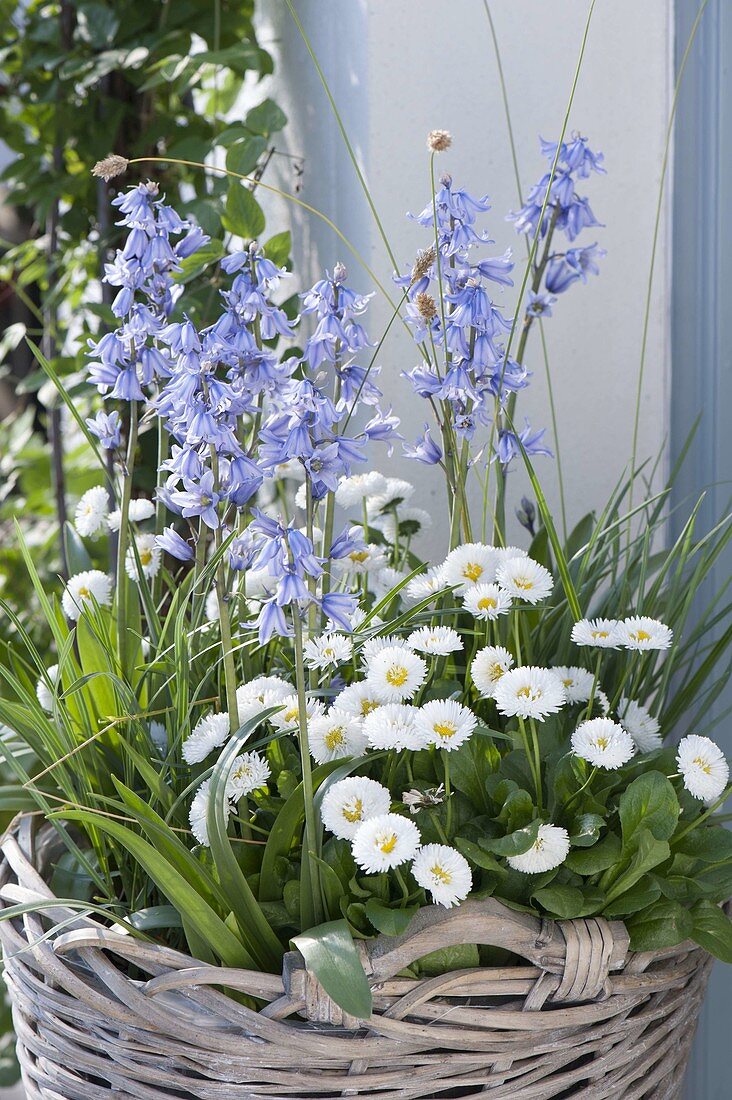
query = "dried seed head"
x=422 y=264
x=111 y=166
x=427 y=306
x=438 y=141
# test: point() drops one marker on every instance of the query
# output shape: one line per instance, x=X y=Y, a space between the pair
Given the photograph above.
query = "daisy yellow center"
x=600 y=633
x=440 y=875
x=387 y=843
x=602 y=742
x=367 y=705
x=523 y=583
x=84 y=592
x=487 y=603
x=88 y=509
x=473 y=571
x=445 y=729
x=703 y=764
x=397 y=675
x=145 y=557
x=524 y=692
x=568 y=683
x=291 y=714
x=641 y=636
x=496 y=671
x=335 y=737
x=359 y=556
x=329 y=651
x=353 y=811
x=242 y=772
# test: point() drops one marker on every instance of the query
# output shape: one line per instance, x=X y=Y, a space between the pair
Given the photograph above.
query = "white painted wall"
x=398 y=68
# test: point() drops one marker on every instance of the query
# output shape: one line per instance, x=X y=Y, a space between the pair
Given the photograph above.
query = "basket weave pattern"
x=101 y=1014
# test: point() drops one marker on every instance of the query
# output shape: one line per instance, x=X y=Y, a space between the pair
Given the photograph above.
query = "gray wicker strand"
x=582 y=1017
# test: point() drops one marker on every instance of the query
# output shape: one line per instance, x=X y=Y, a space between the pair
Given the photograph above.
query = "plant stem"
x=126 y=495
x=310 y=840
x=448 y=792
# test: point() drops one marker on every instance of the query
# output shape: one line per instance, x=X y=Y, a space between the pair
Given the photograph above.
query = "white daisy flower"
x=90 y=518
x=384 y=842
x=487 y=602
x=640 y=724
x=703 y=766
x=83 y=588
x=209 y=733
x=384 y=580
x=393 y=726
x=352 y=801
x=377 y=645
x=368 y=559
x=488 y=666
x=409 y=523
x=578 y=682
x=435 y=640
x=444 y=872
x=291 y=470
x=250 y=772
x=525 y=579
x=640 y=632
x=548 y=850
x=43 y=692
x=529 y=692
x=328 y=651
x=258 y=694
x=301 y=497
x=445 y=723
x=426 y=584
x=508 y=553
x=603 y=743
x=602 y=633
x=150 y=557
x=140 y=509
x=603 y=701
x=357 y=699
x=289 y=716
x=358 y=617
x=396 y=674
x=257 y=584
x=335 y=735
x=353 y=490
x=198 y=813
x=397 y=492
x=471 y=563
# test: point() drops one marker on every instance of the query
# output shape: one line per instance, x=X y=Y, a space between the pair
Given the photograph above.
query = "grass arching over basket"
x=105 y=737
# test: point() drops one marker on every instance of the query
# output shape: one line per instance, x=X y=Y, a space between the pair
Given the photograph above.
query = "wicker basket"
x=584 y=1018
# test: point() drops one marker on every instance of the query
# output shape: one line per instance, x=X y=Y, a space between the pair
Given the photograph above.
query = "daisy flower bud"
x=90 y=518
x=703 y=766
x=602 y=633
x=640 y=724
x=395 y=674
x=43 y=692
x=393 y=726
x=445 y=723
x=603 y=743
x=577 y=682
x=209 y=733
x=439 y=141
x=469 y=564
x=444 y=872
x=384 y=842
x=487 y=668
x=335 y=735
x=435 y=640
x=640 y=632
x=82 y=589
x=487 y=602
x=529 y=692
x=548 y=850
x=352 y=801
x=525 y=579
x=328 y=651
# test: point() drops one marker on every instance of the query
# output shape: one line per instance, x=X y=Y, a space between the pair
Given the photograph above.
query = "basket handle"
x=581 y=952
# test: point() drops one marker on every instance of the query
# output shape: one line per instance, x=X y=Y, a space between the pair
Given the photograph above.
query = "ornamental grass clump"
x=273 y=715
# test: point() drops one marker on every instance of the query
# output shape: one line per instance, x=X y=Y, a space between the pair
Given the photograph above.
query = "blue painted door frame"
x=701 y=381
